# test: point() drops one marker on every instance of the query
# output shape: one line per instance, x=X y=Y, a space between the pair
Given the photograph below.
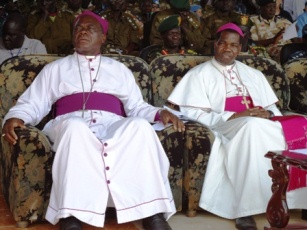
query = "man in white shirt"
x=14 y=42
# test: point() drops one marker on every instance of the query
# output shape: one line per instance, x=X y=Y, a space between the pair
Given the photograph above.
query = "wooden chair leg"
x=22 y=224
x=304 y=214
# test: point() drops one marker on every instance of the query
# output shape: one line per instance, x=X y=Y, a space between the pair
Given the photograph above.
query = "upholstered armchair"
x=25 y=168
x=296 y=71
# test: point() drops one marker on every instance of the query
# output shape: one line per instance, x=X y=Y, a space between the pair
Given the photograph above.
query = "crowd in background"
x=134 y=25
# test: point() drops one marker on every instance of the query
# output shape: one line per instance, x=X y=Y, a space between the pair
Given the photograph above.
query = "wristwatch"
x=271 y=114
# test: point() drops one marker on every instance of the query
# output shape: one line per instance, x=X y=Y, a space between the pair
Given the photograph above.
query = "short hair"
x=18 y=18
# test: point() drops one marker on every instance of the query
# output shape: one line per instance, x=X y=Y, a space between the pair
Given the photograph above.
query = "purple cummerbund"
x=94 y=101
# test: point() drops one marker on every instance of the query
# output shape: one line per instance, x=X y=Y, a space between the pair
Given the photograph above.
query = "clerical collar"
x=88 y=57
x=221 y=67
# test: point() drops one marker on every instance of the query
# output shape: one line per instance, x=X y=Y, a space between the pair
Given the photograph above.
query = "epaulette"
x=163 y=14
x=132 y=20
x=207 y=14
x=193 y=20
x=35 y=11
x=105 y=14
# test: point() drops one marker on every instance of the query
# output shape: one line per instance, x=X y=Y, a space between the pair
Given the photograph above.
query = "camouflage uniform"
x=263 y=29
x=194 y=38
x=208 y=11
x=121 y=33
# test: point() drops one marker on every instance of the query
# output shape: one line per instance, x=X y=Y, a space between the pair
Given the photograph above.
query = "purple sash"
x=235 y=104
x=295 y=132
x=96 y=101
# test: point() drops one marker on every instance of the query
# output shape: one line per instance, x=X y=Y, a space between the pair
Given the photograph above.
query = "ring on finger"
x=3 y=134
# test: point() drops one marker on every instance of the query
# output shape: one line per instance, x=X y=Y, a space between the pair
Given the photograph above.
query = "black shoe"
x=70 y=223
x=246 y=223
x=156 y=222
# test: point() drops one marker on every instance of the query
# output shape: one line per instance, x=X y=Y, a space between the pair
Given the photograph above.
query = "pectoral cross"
x=245 y=102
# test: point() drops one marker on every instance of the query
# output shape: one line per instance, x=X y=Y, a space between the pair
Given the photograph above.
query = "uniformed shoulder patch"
x=193 y=20
x=106 y=14
x=163 y=14
x=133 y=21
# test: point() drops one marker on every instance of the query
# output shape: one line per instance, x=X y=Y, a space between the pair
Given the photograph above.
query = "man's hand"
x=167 y=117
x=8 y=130
x=253 y=112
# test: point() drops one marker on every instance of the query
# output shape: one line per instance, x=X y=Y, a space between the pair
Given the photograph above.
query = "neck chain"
x=93 y=81
x=243 y=90
x=12 y=55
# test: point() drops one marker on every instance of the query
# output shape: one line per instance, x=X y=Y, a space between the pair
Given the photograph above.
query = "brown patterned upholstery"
x=166 y=72
x=296 y=71
x=25 y=168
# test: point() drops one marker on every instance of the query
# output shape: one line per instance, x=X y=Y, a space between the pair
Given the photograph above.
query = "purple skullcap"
x=103 y=22
x=231 y=26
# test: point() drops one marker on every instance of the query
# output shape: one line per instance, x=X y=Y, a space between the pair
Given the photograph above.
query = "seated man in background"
x=172 y=40
x=191 y=25
x=267 y=29
x=237 y=103
x=103 y=151
x=14 y=42
x=52 y=27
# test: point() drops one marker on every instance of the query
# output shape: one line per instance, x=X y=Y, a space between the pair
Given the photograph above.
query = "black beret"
x=265 y=2
x=169 y=23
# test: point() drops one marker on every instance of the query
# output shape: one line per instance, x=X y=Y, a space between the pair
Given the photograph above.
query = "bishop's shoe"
x=246 y=223
x=70 y=223
x=156 y=222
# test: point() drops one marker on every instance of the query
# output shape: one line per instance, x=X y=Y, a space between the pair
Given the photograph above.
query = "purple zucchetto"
x=230 y=26
x=103 y=22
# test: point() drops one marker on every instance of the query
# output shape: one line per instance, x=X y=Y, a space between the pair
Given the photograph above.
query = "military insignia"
x=244 y=20
x=179 y=20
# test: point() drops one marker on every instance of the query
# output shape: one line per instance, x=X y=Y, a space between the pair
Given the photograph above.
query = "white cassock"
x=236 y=182
x=102 y=155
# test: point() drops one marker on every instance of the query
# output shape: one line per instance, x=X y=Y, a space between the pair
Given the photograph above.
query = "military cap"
x=169 y=23
x=180 y=4
x=265 y=2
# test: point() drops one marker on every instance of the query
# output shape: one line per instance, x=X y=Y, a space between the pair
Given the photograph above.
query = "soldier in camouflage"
x=191 y=25
x=267 y=29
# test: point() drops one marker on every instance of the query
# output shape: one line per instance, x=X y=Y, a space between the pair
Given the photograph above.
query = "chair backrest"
x=291 y=48
x=296 y=71
x=168 y=70
x=148 y=53
x=275 y=75
x=140 y=70
x=17 y=74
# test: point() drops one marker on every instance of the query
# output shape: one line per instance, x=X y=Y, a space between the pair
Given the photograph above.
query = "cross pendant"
x=245 y=102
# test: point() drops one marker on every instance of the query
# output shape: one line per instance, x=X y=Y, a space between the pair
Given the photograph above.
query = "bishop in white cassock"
x=106 y=149
x=235 y=101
